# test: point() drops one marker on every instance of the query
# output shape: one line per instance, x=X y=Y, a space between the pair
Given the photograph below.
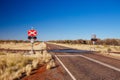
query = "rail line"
x=17 y=50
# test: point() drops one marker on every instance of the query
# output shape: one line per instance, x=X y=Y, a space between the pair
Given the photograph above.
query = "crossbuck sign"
x=32 y=33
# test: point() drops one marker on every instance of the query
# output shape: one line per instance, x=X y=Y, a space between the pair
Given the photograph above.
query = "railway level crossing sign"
x=32 y=34
x=32 y=37
x=93 y=39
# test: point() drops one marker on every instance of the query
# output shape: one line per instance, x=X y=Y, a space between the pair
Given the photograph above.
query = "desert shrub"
x=109 y=50
x=51 y=64
x=98 y=42
x=12 y=63
x=2 y=53
x=35 y=63
x=28 y=69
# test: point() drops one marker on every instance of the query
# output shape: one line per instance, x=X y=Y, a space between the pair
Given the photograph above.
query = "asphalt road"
x=85 y=65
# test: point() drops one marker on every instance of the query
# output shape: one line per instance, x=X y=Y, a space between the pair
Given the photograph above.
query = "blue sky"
x=60 y=19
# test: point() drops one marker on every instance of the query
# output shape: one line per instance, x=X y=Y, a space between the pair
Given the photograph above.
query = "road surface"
x=85 y=65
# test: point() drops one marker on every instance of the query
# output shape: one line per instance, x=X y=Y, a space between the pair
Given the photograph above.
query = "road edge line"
x=101 y=63
x=65 y=68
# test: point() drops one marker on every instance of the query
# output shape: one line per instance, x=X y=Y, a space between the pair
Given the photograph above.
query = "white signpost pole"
x=94 y=37
x=32 y=42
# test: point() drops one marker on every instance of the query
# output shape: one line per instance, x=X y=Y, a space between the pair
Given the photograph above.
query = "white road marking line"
x=93 y=60
x=99 y=62
x=68 y=55
x=65 y=68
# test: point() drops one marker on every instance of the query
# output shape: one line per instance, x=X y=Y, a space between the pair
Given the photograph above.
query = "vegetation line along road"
x=104 y=64
x=65 y=68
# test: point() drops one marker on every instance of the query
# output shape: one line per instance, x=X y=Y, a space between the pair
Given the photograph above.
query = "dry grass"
x=35 y=63
x=28 y=69
x=51 y=64
x=20 y=46
x=24 y=46
x=13 y=65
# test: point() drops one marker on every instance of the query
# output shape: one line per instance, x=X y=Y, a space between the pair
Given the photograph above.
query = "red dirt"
x=57 y=73
x=35 y=74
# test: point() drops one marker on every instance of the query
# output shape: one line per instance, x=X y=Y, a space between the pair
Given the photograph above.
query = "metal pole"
x=32 y=42
x=94 y=42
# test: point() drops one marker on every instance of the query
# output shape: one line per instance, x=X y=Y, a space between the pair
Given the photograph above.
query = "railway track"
x=17 y=50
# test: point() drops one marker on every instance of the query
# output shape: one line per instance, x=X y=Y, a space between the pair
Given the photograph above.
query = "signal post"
x=32 y=37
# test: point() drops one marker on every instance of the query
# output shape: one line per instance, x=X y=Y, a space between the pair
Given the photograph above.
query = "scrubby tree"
x=98 y=42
